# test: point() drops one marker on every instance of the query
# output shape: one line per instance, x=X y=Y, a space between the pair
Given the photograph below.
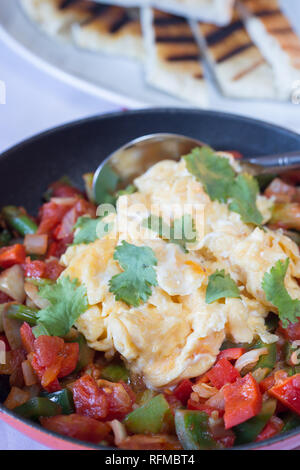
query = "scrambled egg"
x=176 y=334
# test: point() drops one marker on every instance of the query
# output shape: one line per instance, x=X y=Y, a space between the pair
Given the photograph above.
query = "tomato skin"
x=77 y=426
x=51 y=215
x=58 y=247
x=194 y=405
x=273 y=427
x=27 y=337
x=81 y=207
x=89 y=399
x=183 y=390
x=243 y=400
x=292 y=332
x=11 y=255
x=222 y=373
x=34 y=269
x=288 y=393
x=231 y=354
x=53 y=270
x=4 y=298
x=60 y=189
x=51 y=359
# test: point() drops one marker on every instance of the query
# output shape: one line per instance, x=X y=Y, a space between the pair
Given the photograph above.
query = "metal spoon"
x=121 y=167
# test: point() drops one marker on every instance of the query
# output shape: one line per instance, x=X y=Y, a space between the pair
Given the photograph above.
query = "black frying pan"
x=76 y=148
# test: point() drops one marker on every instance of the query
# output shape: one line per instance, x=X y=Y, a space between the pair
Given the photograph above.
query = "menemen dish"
x=167 y=318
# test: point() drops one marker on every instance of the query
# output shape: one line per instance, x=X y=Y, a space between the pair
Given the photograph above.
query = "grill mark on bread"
x=222 y=33
x=183 y=58
x=234 y=52
x=168 y=21
x=68 y=3
x=175 y=39
x=264 y=13
x=122 y=21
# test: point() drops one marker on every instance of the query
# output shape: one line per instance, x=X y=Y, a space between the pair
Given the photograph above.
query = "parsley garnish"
x=181 y=232
x=221 y=183
x=68 y=300
x=220 y=286
x=277 y=294
x=133 y=286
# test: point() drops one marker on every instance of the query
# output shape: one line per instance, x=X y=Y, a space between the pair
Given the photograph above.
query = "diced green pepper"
x=5 y=238
x=86 y=354
x=63 y=398
x=193 y=431
x=19 y=221
x=291 y=421
x=249 y=430
x=266 y=361
x=23 y=313
x=115 y=373
x=149 y=418
x=37 y=407
x=229 y=344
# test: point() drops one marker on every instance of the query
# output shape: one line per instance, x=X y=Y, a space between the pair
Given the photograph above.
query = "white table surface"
x=36 y=102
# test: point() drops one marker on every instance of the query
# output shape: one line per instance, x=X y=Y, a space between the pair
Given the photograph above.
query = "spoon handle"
x=290 y=159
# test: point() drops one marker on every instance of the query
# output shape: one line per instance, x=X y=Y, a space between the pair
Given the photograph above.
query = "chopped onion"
x=119 y=431
x=250 y=358
x=32 y=292
x=16 y=397
x=12 y=283
x=204 y=390
x=30 y=377
x=36 y=244
x=260 y=373
x=11 y=329
x=217 y=401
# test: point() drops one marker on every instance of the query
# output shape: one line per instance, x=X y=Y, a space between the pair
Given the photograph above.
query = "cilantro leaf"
x=244 y=192
x=212 y=170
x=67 y=300
x=181 y=232
x=277 y=294
x=133 y=286
x=220 y=286
x=130 y=189
x=87 y=230
x=90 y=229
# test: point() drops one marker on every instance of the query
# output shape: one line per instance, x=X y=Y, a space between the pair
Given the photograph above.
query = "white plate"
x=119 y=80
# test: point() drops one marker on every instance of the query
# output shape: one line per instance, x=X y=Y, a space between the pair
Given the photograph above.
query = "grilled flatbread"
x=239 y=67
x=56 y=16
x=173 y=57
x=215 y=11
x=114 y=30
x=273 y=34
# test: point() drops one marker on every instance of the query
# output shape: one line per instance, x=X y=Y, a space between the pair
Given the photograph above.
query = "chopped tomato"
x=194 y=405
x=236 y=154
x=288 y=393
x=292 y=332
x=81 y=207
x=281 y=191
x=53 y=269
x=51 y=215
x=183 y=390
x=77 y=426
x=61 y=189
x=89 y=399
x=222 y=373
x=231 y=354
x=4 y=298
x=267 y=383
x=5 y=341
x=57 y=248
x=53 y=359
x=106 y=401
x=243 y=400
x=35 y=269
x=27 y=337
x=273 y=427
x=11 y=255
